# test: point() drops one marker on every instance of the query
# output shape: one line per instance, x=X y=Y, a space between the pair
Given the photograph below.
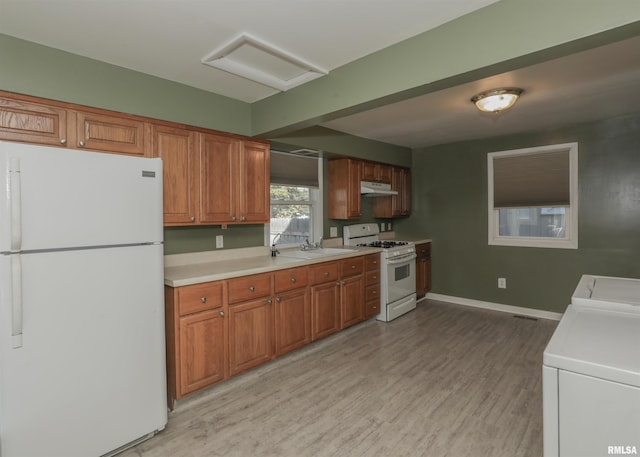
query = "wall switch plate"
x=333 y=232
x=502 y=283
x=219 y=241
x=389 y=226
x=382 y=227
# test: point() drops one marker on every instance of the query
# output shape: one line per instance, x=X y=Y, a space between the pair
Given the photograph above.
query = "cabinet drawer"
x=249 y=287
x=323 y=272
x=351 y=267
x=200 y=297
x=372 y=292
x=371 y=308
x=423 y=250
x=292 y=278
x=372 y=262
x=372 y=278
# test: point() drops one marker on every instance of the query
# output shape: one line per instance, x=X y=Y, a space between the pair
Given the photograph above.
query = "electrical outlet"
x=502 y=283
x=333 y=232
x=219 y=241
x=382 y=227
x=389 y=226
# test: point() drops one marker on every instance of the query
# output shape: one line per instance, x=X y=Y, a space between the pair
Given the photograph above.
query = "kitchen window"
x=533 y=197
x=296 y=199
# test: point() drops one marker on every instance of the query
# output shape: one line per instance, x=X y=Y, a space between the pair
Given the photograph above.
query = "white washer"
x=591 y=372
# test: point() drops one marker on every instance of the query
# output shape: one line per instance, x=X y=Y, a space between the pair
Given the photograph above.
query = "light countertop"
x=199 y=267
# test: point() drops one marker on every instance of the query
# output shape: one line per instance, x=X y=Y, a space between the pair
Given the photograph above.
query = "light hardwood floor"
x=445 y=380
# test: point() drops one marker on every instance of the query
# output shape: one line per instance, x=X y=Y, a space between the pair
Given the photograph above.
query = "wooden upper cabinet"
x=218 y=175
x=234 y=180
x=110 y=133
x=344 y=188
x=32 y=122
x=176 y=148
x=397 y=205
x=254 y=182
x=376 y=172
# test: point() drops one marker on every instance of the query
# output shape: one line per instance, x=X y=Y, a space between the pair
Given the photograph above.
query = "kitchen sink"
x=314 y=253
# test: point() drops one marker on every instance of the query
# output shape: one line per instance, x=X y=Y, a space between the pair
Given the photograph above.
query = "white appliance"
x=376 y=189
x=398 y=269
x=591 y=372
x=82 y=349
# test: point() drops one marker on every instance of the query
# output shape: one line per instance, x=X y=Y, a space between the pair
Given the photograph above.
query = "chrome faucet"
x=307 y=246
x=274 y=250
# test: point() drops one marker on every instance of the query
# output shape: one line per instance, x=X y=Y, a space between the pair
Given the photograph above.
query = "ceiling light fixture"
x=496 y=100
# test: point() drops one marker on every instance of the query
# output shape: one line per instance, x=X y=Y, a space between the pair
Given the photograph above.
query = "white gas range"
x=398 y=269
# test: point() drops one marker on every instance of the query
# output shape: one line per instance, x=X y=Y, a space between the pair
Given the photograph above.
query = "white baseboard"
x=496 y=306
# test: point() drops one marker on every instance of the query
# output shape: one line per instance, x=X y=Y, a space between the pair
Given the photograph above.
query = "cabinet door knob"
x=203 y=299
x=233 y=218
x=293 y=279
x=326 y=273
x=375 y=292
x=222 y=313
x=353 y=267
x=278 y=299
x=81 y=144
x=63 y=141
x=244 y=218
x=269 y=301
x=252 y=289
x=375 y=262
x=193 y=218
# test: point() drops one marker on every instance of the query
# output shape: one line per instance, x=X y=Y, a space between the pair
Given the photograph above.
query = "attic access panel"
x=256 y=60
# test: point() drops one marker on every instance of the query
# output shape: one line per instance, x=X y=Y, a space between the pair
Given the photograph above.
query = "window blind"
x=294 y=170
x=537 y=179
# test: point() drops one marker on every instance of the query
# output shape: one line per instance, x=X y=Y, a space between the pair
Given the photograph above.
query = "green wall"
x=32 y=69
x=450 y=206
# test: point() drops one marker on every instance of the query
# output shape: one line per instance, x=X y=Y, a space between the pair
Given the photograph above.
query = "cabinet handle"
x=326 y=273
x=244 y=218
x=293 y=279
x=278 y=299
x=63 y=141
x=269 y=301
x=375 y=307
x=353 y=267
x=203 y=299
x=81 y=144
x=233 y=218
x=252 y=289
x=193 y=218
x=375 y=292
x=222 y=313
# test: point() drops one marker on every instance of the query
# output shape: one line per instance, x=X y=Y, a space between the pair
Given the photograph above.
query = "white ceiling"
x=168 y=39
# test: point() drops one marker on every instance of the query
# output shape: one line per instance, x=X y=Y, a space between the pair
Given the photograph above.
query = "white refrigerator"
x=82 y=345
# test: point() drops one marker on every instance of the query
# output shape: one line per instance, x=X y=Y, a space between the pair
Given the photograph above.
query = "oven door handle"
x=402 y=259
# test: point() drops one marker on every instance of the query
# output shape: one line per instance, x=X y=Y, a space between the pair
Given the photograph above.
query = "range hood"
x=376 y=189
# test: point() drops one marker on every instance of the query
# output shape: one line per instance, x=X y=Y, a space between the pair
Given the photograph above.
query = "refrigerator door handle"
x=15 y=200
x=16 y=301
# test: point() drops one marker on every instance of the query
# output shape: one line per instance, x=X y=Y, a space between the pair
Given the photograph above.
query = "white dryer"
x=591 y=372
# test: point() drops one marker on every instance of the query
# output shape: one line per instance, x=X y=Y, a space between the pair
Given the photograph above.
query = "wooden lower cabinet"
x=423 y=269
x=222 y=328
x=292 y=320
x=250 y=334
x=202 y=354
x=196 y=338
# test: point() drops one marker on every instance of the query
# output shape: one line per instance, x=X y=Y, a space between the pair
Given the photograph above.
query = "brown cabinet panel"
x=324 y=272
x=32 y=122
x=397 y=205
x=325 y=307
x=218 y=176
x=202 y=351
x=372 y=278
x=200 y=297
x=344 y=185
x=110 y=133
x=376 y=172
x=372 y=262
x=176 y=148
x=372 y=292
x=254 y=183
x=250 y=334
x=292 y=278
x=352 y=298
x=423 y=269
x=371 y=308
x=249 y=287
x=292 y=320
x=352 y=266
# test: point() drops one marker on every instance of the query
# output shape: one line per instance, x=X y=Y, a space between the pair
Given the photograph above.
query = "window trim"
x=570 y=241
